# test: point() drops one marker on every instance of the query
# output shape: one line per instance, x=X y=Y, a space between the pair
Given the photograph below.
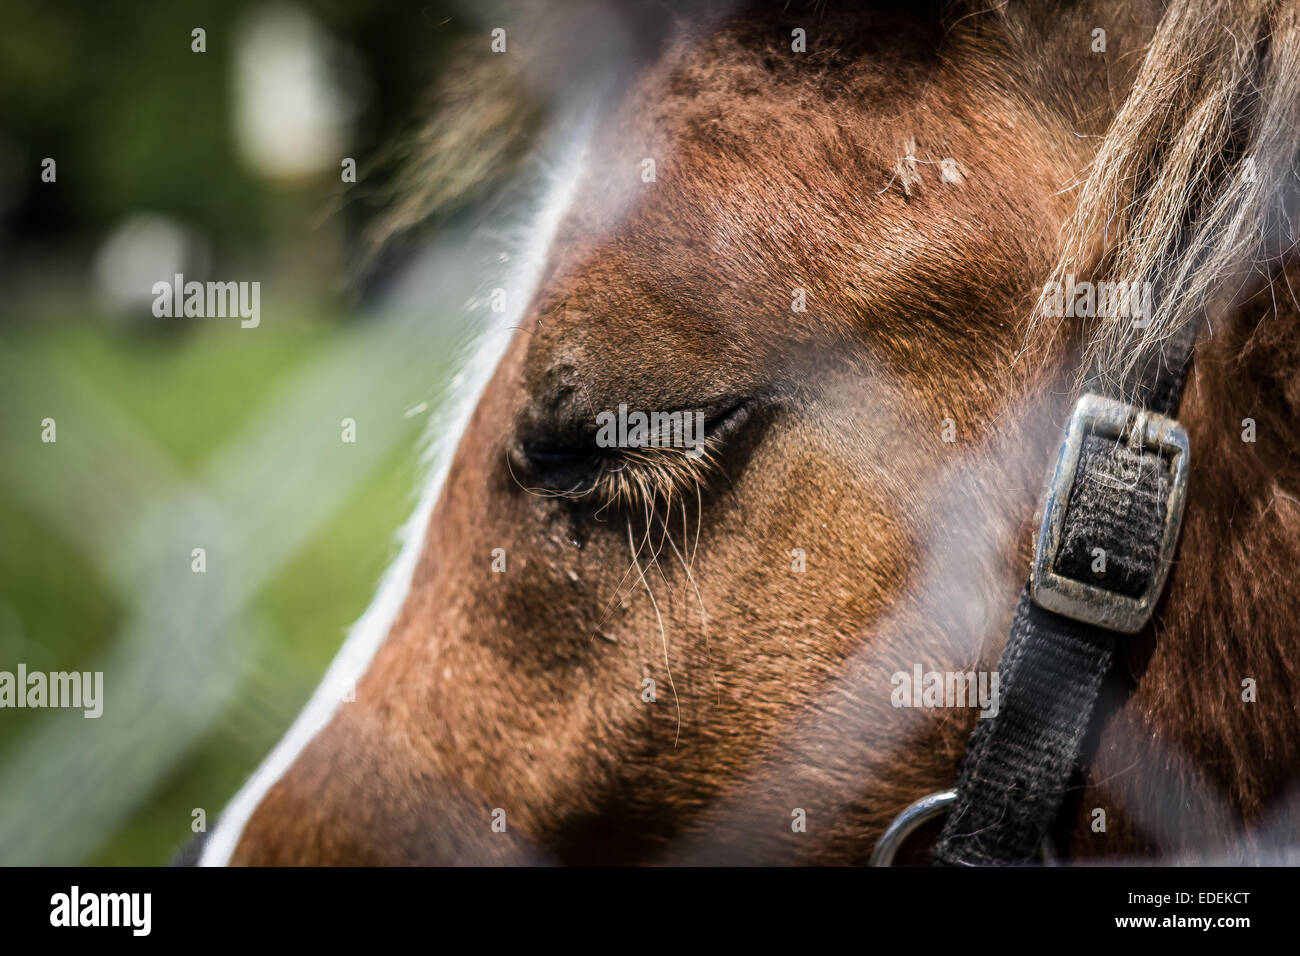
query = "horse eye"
x=561 y=465
x=632 y=459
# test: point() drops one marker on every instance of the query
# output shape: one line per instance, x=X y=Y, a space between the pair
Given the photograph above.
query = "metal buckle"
x=1080 y=600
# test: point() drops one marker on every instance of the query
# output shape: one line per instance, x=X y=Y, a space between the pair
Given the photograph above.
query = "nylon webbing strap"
x=1020 y=763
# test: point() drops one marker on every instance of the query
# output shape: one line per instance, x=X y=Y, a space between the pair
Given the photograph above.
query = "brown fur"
x=523 y=690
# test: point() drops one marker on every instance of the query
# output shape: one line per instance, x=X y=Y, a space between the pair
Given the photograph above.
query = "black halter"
x=1117 y=492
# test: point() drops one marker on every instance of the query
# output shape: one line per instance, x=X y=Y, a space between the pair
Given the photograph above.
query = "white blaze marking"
x=369 y=632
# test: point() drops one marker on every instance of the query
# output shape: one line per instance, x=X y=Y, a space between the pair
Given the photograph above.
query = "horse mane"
x=479 y=124
x=487 y=113
x=1194 y=186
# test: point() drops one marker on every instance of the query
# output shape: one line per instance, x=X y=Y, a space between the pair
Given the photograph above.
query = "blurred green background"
x=181 y=433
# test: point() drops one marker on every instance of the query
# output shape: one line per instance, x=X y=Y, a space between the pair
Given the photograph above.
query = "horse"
x=833 y=231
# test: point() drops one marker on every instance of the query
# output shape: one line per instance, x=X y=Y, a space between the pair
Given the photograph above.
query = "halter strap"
x=1115 y=503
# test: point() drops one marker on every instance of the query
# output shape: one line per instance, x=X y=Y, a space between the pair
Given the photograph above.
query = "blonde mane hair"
x=1193 y=186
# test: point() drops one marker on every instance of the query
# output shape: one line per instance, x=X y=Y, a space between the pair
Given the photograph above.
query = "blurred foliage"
x=139 y=123
x=57 y=613
x=136 y=120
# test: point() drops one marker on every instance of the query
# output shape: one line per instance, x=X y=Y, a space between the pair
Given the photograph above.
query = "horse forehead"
x=741 y=191
x=679 y=225
x=733 y=240
x=728 y=174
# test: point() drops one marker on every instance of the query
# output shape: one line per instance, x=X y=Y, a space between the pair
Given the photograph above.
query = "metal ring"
x=924 y=810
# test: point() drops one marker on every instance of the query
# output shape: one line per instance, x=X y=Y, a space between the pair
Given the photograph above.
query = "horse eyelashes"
x=635 y=462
